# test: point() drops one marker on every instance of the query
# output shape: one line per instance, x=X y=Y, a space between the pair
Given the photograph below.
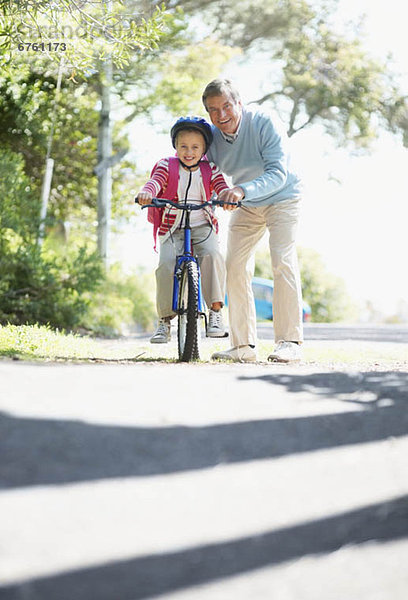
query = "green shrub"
x=122 y=301
x=36 y=287
x=19 y=209
x=325 y=292
x=58 y=285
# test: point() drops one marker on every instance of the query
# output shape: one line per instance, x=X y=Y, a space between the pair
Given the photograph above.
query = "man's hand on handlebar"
x=144 y=198
x=233 y=195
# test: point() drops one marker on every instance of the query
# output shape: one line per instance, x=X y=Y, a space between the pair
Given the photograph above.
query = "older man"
x=251 y=148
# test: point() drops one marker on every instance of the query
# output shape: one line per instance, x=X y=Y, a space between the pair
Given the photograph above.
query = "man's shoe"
x=286 y=352
x=215 y=324
x=162 y=335
x=236 y=354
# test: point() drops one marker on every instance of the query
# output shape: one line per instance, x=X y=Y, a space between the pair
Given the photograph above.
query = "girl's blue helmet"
x=197 y=123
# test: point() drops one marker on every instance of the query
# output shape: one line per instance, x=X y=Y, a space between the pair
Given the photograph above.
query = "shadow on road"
x=40 y=451
x=152 y=575
x=382 y=387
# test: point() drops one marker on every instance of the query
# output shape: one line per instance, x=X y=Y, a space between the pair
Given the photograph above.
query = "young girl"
x=191 y=137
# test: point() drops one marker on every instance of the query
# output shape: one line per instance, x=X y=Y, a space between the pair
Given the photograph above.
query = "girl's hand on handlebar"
x=233 y=195
x=144 y=198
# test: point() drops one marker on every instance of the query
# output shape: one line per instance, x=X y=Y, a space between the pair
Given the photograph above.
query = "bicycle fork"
x=180 y=260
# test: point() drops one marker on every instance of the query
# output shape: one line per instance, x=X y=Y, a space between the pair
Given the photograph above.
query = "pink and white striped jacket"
x=159 y=184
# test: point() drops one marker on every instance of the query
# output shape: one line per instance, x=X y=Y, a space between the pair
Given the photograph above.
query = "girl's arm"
x=217 y=183
x=156 y=183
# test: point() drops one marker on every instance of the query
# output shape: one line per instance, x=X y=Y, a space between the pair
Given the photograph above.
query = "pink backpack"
x=154 y=215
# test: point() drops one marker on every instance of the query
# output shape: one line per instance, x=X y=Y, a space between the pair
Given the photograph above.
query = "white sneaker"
x=286 y=352
x=215 y=326
x=162 y=335
x=236 y=354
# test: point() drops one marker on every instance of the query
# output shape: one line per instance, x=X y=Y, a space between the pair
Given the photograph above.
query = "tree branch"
x=267 y=97
x=110 y=162
x=293 y=130
x=293 y=115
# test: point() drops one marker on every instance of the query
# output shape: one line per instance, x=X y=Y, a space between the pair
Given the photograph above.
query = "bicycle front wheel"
x=187 y=309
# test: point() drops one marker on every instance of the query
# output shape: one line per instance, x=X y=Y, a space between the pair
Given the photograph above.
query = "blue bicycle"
x=187 y=296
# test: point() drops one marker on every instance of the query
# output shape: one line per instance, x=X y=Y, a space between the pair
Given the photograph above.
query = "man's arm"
x=274 y=152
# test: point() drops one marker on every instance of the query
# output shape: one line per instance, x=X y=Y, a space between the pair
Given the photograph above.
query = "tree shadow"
x=46 y=451
x=371 y=390
x=153 y=575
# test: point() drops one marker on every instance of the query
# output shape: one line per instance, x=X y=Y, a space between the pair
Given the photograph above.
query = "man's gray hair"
x=218 y=87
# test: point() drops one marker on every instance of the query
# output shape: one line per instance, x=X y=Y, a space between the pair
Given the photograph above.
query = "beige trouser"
x=247 y=226
x=212 y=266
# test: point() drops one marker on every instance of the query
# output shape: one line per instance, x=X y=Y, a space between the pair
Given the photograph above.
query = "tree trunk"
x=104 y=173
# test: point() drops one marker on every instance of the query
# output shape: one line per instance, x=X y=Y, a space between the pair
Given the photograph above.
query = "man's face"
x=224 y=112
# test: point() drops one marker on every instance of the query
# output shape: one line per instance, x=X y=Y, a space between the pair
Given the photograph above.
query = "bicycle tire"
x=187 y=310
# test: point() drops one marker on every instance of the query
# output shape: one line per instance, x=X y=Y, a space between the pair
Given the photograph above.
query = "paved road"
x=202 y=482
x=397 y=334
x=335 y=332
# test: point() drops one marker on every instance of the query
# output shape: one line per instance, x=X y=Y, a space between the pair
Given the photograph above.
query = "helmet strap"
x=189 y=167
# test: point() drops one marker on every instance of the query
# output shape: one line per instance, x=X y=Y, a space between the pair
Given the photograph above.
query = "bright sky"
x=359 y=225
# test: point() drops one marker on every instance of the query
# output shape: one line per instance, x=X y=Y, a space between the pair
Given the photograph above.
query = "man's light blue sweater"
x=257 y=160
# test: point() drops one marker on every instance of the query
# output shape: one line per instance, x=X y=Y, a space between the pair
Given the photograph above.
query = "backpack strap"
x=172 y=183
x=206 y=174
x=154 y=215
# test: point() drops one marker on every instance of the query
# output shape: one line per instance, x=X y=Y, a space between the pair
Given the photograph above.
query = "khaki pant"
x=247 y=226
x=212 y=266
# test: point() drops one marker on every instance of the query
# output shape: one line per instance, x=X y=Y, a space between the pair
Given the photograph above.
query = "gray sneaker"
x=162 y=335
x=286 y=352
x=215 y=326
x=236 y=354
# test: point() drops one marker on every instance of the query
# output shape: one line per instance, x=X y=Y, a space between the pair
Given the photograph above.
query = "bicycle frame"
x=182 y=258
x=187 y=302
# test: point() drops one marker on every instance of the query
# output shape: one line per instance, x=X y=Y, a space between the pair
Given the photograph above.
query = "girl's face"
x=190 y=146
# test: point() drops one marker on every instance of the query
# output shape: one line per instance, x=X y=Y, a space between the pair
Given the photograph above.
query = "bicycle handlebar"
x=162 y=202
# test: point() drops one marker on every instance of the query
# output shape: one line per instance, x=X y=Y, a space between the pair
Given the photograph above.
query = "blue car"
x=263 y=293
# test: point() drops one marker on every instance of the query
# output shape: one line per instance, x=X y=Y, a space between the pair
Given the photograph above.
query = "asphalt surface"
x=335 y=332
x=202 y=482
